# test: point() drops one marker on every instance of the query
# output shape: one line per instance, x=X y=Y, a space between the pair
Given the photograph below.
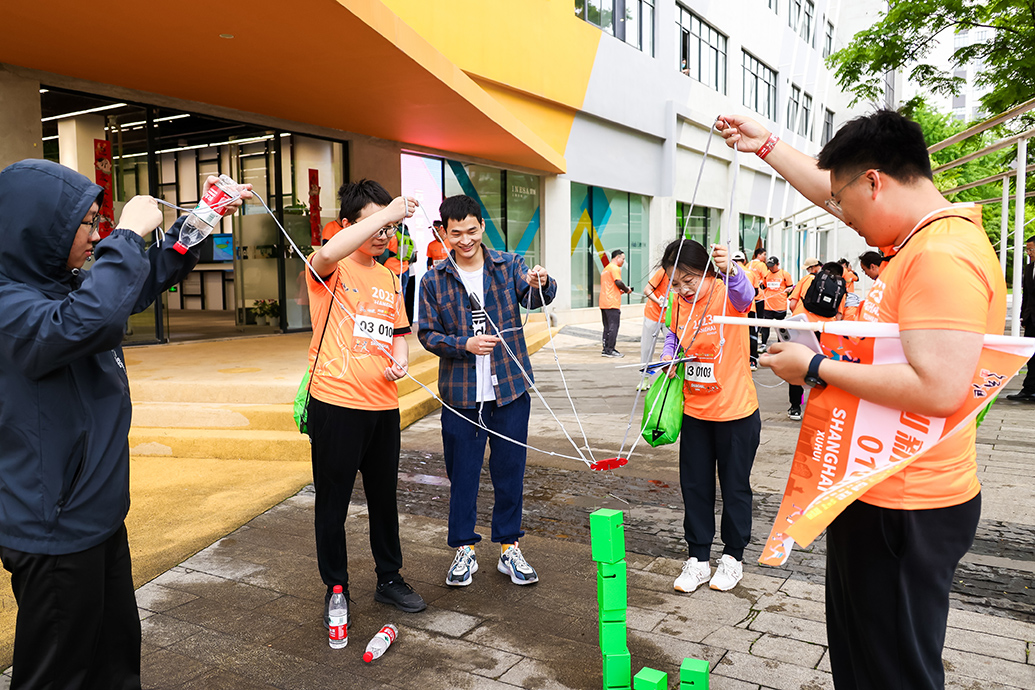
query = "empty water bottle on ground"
x=338 y=612
x=207 y=213
x=380 y=643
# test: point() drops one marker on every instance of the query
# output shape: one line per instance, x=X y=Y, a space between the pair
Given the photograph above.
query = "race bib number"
x=773 y=284
x=373 y=328
x=700 y=372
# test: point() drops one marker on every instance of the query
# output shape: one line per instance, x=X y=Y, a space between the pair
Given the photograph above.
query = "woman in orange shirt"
x=721 y=424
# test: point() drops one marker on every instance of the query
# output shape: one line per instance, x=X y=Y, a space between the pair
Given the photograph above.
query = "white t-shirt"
x=474 y=282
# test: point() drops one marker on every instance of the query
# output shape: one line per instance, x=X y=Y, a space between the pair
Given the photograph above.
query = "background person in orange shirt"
x=796 y=394
x=849 y=274
x=752 y=331
x=871 y=264
x=812 y=267
x=611 y=290
x=436 y=251
x=721 y=425
x=775 y=285
x=893 y=552
x=656 y=292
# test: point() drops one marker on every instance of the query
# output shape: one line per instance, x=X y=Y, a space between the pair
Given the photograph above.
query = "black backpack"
x=823 y=298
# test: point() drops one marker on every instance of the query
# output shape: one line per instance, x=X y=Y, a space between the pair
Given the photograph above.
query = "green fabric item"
x=662 y=421
x=302 y=404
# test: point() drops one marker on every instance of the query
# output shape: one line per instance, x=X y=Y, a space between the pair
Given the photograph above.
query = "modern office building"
x=581 y=126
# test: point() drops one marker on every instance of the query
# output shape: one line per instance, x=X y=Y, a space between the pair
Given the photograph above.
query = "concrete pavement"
x=245 y=611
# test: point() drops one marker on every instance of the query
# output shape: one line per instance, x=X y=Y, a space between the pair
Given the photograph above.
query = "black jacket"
x=1028 y=298
x=65 y=406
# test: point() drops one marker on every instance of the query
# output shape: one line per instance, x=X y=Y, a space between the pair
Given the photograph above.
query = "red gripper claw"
x=608 y=464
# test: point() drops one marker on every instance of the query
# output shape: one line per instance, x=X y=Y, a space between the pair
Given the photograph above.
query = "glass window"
x=484 y=185
x=523 y=219
x=632 y=23
x=598 y=13
x=794 y=14
x=759 y=87
x=604 y=220
x=647 y=26
x=753 y=232
x=828 y=41
x=828 y=127
x=793 y=107
x=693 y=223
x=774 y=5
x=639 y=24
x=806 y=24
x=805 y=124
x=702 y=51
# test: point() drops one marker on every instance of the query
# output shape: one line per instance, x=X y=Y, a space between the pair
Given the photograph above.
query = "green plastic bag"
x=302 y=405
x=662 y=421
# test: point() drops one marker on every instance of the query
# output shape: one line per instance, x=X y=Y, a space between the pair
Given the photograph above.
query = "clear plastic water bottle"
x=338 y=611
x=207 y=213
x=380 y=643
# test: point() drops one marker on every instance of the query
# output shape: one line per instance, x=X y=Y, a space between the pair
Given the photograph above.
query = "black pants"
x=763 y=333
x=78 y=625
x=346 y=441
x=753 y=338
x=610 y=317
x=1028 y=385
x=731 y=446
x=889 y=573
x=796 y=395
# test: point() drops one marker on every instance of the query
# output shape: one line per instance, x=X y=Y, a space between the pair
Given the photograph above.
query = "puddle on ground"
x=428 y=479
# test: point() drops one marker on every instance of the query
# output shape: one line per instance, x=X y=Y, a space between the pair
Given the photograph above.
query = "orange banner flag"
x=848 y=445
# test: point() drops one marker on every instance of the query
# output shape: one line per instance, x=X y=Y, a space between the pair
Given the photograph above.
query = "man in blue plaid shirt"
x=467 y=303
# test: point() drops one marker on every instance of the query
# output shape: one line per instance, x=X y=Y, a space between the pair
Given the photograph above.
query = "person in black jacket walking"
x=1027 y=392
x=65 y=417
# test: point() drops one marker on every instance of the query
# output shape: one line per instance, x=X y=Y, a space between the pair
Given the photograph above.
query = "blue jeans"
x=464 y=448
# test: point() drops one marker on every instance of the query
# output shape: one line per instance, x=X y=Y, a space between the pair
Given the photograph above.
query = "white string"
x=389 y=355
x=668 y=292
x=513 y=356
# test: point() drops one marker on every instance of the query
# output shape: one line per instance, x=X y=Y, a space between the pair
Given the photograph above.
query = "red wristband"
x=766 y=148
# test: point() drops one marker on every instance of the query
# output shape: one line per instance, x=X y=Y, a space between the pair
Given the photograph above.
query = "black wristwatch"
x=812 y=379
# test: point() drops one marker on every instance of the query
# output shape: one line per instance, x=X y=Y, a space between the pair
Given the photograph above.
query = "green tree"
x=938 y=126
x=904 y=36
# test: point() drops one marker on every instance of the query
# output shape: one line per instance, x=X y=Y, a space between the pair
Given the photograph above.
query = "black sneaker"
x=327 y=607
x=400 y=595
x=794 y=413
x=1022 y=396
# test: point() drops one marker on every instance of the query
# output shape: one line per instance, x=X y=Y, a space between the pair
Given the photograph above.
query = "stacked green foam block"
x=608 y=538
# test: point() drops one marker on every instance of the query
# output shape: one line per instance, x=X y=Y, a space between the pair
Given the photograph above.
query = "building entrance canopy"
x=351 y=65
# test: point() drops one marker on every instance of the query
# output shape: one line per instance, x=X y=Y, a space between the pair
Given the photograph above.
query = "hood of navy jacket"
x=43 y=206
x=65 y=407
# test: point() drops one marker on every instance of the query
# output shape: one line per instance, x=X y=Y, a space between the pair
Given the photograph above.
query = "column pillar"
x=21 y=133
x=376 y=159
x=75 y=142
x=556 y=236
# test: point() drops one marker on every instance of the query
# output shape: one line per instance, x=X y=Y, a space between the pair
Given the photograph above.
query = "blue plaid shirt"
x=445 y=325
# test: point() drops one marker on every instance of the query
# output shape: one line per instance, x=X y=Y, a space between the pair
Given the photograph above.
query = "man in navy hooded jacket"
x=64 y=420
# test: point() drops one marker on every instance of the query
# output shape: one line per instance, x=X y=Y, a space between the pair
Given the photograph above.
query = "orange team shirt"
x=658 y=287
x=798 y=293
x=946 y=277
x=850 y=278
x=351 y=369
x=774 y=289
x=731 y=371
x=755 y=280
x=759 y=268
x=610 y=295
x=436 y=251
x=331 y=229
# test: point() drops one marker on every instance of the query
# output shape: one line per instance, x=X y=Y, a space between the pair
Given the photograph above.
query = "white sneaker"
x=465 y=565
x=729 y=572
x=512 y=563
x=693 y=576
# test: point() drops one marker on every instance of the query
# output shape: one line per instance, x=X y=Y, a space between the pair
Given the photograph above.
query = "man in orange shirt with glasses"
x=892 y=554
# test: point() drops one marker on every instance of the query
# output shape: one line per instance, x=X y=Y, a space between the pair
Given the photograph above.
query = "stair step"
x=219 y=443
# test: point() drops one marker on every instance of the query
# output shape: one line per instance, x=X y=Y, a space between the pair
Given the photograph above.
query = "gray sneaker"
x=465 y=565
